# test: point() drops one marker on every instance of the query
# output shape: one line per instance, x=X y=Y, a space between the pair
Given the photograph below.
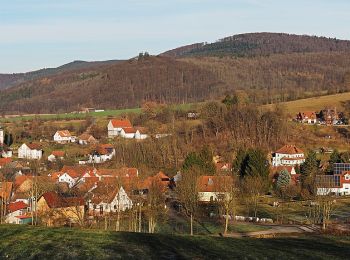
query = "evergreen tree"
x=283 y=179
x=240 y=162
x=257 y=164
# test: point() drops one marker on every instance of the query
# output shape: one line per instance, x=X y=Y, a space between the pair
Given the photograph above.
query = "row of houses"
x=327 y=116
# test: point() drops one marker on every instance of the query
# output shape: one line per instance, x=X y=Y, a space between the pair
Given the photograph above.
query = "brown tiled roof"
x=213 y=183
x=4 y=161
x=58 y=153
x=86 y=137
x=289 y=149
x=122 y=123
x=14 y=206
x=129 y=130
x=64 y=133
x=33 y=146
x=55 y=200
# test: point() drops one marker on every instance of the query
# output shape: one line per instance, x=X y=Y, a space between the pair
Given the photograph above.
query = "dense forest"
x=301 y=67
x=8 y=80
x=261 y=44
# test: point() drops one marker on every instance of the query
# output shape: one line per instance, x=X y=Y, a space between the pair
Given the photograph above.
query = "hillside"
x=19 y=242
x=256 y=44
x=265 y=79
x=8 y=80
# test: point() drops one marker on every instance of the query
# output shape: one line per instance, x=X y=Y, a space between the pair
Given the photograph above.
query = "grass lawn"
x=24 y=242
x=314 y=103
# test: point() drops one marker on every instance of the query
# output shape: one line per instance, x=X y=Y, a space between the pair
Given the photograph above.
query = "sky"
x=38 y=34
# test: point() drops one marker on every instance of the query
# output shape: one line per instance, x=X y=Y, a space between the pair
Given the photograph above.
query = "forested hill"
x=253 y=44
x=9 y=80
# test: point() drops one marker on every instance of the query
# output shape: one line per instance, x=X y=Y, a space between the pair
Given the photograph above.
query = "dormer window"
x=210 y=181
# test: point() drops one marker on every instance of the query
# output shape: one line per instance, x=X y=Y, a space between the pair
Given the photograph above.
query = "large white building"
x=288 y=155
x=337 y=184
x=30 y=152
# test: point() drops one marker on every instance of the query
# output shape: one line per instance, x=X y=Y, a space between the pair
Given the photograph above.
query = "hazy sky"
x=47 y=33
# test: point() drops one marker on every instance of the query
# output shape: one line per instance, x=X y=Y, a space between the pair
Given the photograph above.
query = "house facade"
x=2 y=136
x=18 y=213
x=63 y=136
x=107 y=198
x=307 y=117
x=30 y=152
x=337 y=184
x=56 y=155
x=288 y=155
x=115 y=127
x=212 y=188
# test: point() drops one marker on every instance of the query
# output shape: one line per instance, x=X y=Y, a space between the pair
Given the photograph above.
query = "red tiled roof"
x=213 y=183
x=20 y=179
x=64 y=133
x=58 y=153
x=54 y=200
x=33 y=146
x=129 y=130
x=14 y=206
x=289 y=149
x=308 y=115
x=122 y=123
x=4 y=161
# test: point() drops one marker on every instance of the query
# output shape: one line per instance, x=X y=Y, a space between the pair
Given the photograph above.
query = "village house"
x=212 y=188
x=160 y=179
x=56 y=155
x=307 y=117
x=336 y=184
x=86 y=139
x=116 y=126
x=101 y=154
x=30 y=151
x=124 y=129
x=108 y=197
x=329 y=116
x=56 y=209
x=18 y=213
x=288 y=155
x=63 y=136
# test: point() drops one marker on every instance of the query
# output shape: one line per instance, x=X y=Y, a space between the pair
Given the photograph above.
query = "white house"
x=18 y=213
x=56 y=155
x=212 y=188
x=103 y=153
x=337 y=184
x=30 y=152
x=115 y=127
x=107 y=198
x=63 y=136
x=288 y=155
x=70 y=178
x=85 y=139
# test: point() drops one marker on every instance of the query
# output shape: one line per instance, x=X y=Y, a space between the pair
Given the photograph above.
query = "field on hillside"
x=313 y=104
x=24 y=242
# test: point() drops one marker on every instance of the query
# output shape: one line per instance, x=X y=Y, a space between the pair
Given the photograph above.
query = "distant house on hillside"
x=63 y=136
x=308 y=117
x=124 y=128
x=212 y=188
x=288 y=155
x=56 y=155
x=115 y=127
x=18 y=213
x=85 y=139
x=30 y=151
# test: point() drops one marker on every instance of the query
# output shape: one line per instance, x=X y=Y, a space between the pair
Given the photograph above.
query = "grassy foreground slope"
x=18 y=242
x=314 y=103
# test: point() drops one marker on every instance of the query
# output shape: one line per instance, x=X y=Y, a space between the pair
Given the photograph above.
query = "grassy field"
x=106 y=113
x=18 y=242
x=313 y=104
